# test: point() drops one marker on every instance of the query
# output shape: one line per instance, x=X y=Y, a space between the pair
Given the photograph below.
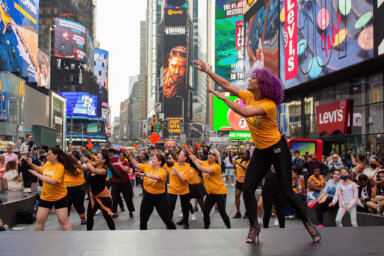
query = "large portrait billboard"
x=175 y=64
x=70 y=40
x=262 y=37
x=101 y=58
x=19 y=37
x=320 y=37
x=229 y=41
x=44 y=74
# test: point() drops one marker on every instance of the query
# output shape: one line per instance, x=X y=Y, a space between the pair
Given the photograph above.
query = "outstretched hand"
x=200 y=65
x=216 y=93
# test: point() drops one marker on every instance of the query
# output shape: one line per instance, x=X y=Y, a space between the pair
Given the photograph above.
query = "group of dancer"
x=263 y=94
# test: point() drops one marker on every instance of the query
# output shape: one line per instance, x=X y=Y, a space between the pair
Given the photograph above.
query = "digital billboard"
x=262 y=37
x=80 y=103
x=90 y=50
x=229 y=41
x=225 y=119
x=19 y=37
x=175 y=63
x=101 y=58
x=174 y=4
x=70 y=40
x=249 y=3
x=44 y=73
x=320 y=37
x=378 y=22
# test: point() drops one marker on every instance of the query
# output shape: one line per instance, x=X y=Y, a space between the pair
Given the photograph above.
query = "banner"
x=290 y=39
x=334 y=117
x=225 y=119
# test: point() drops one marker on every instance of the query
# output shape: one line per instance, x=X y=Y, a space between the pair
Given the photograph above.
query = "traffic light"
x=152 y=127
x=99 y=127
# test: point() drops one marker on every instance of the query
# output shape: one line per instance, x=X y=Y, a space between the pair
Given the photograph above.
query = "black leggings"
x=91 y=211
x=279 y=156
x=272 y=196
x=159 y=202
x=209 y=202
x=76 y=198
x=184 y=205
x=126 y=189
x=322 y=208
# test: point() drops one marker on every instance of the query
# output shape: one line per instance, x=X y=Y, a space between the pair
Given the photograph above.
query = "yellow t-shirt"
x=213 y=182
x=154 y=186
x=177 y=187
x=55 y=192
x=240 y=172
x=317 y=182
x=74 y=180
x=264 y=130
x=193 y=177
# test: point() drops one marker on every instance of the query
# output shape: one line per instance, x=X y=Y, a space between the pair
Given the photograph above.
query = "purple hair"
x=270 y=85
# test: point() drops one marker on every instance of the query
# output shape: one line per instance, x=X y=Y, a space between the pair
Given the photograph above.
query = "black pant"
x=184 y=205
x=28 y=178
x=322 y=208
x=126 y=189
x=159 y=202
x=91 y=211
x=76 y=197
x=209 y=202
x=279 y=156
x=272 y=196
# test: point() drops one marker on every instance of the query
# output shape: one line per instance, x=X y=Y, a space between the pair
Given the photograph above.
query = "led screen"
x=225 y=119
x=101 y=67
x=229 y=41
x=303 y=147
x=262 y=38
x=320 y=37
x=19 y=21
x=80 y=103
x=70 y=40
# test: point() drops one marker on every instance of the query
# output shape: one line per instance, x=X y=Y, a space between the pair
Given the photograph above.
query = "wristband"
x=206 y=70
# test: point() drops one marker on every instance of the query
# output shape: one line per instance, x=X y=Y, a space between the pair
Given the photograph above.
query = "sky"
x=118 y=31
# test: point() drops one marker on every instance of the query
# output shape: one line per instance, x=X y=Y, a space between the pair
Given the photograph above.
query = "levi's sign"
x=333 y=117
x=290 y=39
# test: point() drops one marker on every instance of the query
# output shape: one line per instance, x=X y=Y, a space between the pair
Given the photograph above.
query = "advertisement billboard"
x=90 y=50
x=378 y=22
x=174 y=4
x=229 y=41
x=248 y=4
x=320 y=37
x=70 y=40
x=101 y=58
x=19 y=28
x=44 y=74
x=225 y=119
x=262 y=37
x=80 y=103
x=175 y=63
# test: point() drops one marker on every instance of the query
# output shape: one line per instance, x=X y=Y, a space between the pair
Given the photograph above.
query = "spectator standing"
x=297 y=161
x=229 y=168
x=10 y=156
x=359 y=165
x=312 y=164
x=347 y=194
x=25 y=152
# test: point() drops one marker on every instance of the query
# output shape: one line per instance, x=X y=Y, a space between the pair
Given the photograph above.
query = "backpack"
x=24 y=217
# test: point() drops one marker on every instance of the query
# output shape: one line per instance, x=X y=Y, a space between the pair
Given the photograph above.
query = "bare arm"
x=179 y=175
x=197 y=162
x=98 y=171
x=132 y=159
x=124 y=168
x=150 y=176
x=33 y=166
x=227 y=86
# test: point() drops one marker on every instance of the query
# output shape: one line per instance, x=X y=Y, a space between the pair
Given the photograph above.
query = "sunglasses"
x=212 y=153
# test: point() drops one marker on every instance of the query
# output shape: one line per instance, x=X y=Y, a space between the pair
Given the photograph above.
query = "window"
x=99 y=73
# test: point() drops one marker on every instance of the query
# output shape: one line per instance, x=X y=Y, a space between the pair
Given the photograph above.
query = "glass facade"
x=12 y=91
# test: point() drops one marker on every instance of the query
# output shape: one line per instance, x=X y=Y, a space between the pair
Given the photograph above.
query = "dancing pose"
x=264 y=92
x=154 y=195
x=214 y=184
x=54 y=192
x=100 y=197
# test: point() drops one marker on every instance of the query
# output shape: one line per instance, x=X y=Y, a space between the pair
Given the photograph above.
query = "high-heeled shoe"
x=253 y=235
x=313 y=232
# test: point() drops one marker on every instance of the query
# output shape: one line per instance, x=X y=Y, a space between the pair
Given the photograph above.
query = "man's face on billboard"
x=177 y=68
x=66 y=35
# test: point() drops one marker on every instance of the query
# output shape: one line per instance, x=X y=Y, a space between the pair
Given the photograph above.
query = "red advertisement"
x=333 y=117
x=290 y=39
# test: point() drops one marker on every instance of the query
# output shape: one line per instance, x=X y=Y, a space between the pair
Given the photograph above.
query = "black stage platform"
x=289 y=241
x=12 y=203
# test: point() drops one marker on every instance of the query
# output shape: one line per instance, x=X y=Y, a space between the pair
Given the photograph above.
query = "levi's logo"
x=331 y=117
x=277 y=150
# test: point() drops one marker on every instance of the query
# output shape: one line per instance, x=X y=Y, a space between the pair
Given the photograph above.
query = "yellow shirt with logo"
x=74 y=180
x=193 y=177
x=177 y=187
x=52 y=193
x=213 y=182
x=154 y=186
x=264 y=130
x=240 y=172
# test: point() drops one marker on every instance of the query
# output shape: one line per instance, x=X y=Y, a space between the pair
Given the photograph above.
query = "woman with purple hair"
x=263 y=94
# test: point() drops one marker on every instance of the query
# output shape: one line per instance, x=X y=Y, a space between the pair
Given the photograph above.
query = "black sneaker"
x=245 y=216
x=182 y=222
x=186 y=226
x=237 y=215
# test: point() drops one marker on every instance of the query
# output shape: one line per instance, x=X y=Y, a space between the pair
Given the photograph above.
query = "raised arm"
x=133 y=161
x=33 y=166
x=98 y=171
x=197 y=162
x=227 y=86
x=247 y=111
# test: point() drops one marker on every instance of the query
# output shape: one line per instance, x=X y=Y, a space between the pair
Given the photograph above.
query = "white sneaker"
x=276 y=222
x=27 y=190
x=181 y=215
x=193 y=217
x=260 y=221
x=233 y=185
x=98 y=212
